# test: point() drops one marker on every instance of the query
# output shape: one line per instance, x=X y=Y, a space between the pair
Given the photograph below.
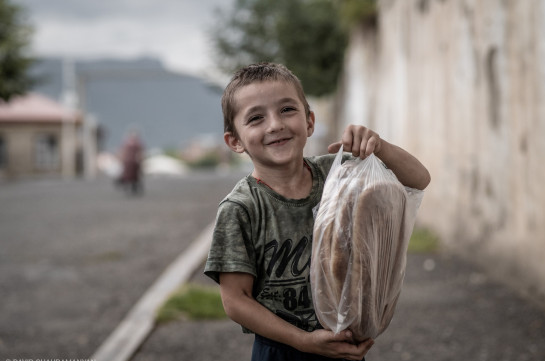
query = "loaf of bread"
x=359 y=250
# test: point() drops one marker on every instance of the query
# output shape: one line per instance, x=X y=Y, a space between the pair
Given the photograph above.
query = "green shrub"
x=423 y=240
x=353 y=12
x=209 y=160
x=195 y=302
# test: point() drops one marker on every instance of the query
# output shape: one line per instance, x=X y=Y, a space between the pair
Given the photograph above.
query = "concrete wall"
x=461 y=84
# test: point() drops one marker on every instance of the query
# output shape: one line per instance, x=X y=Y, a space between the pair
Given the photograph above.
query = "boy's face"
x=271 y=124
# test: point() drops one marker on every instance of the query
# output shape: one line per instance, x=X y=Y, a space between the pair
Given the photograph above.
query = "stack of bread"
x=360 y=239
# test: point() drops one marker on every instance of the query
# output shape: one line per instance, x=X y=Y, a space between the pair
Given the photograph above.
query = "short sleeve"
x=232 y=249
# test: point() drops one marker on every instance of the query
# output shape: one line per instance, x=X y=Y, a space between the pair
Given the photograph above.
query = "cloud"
x=174 y=30
x=179 y=45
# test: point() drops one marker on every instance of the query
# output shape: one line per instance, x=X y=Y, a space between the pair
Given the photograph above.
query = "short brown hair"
x=252 y=74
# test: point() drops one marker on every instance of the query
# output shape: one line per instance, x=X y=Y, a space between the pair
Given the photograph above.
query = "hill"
x=169 y=109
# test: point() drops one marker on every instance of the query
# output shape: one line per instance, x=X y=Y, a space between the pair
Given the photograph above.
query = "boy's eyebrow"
x=257 y=108
x=286 y=100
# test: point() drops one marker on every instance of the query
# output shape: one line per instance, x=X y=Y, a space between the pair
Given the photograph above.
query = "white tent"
x=160 y=164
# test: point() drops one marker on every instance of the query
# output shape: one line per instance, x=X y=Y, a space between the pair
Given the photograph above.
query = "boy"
x=262 y=242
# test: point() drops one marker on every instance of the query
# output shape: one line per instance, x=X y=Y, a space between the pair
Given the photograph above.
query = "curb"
x=139 y=321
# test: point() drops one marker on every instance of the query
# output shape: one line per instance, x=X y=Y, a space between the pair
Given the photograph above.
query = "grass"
x=423 y=240
x=195 y=302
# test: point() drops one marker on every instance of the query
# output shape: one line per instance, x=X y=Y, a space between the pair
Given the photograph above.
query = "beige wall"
x=461 y=84
x=20 y=141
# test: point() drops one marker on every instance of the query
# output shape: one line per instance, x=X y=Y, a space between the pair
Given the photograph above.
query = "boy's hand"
x=358 y=140
x=326 y=343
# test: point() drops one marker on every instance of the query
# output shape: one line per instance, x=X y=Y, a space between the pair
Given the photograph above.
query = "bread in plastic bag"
x=361 y=232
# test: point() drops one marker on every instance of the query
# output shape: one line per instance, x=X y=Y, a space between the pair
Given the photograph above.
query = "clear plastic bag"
x=361 y=232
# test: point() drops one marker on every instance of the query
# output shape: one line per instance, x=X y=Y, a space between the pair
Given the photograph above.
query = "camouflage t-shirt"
x=262 y=233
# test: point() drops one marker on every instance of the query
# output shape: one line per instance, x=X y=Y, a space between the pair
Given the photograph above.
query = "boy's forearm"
x=408 y=170
x=254 y=316
x=249 y=313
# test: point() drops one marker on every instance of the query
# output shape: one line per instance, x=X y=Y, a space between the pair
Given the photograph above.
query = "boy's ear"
x=310 y=123
x=232 y=142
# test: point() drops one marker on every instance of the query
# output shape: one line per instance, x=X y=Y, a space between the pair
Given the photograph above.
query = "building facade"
x=38 y=137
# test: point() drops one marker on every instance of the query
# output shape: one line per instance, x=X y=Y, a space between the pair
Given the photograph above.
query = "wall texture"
x=461 y=84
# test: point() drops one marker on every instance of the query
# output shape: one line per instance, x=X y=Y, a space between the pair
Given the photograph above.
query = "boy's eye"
x=288 y=109
x=254 y=118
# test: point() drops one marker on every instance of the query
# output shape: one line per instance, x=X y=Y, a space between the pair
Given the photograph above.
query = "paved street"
x=75 y=256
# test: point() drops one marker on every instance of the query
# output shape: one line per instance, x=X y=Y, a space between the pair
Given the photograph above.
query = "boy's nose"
x=275 y=123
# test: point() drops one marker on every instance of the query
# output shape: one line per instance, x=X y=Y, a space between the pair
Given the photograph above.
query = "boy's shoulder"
x=323 y=162
x=241 y=193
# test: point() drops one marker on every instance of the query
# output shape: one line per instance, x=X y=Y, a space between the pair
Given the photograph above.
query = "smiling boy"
x=262 y=241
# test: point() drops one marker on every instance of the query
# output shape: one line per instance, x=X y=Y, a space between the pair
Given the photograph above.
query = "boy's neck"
x=294 y=182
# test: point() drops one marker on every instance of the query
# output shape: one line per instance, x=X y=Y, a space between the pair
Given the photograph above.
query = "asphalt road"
x=75 y=256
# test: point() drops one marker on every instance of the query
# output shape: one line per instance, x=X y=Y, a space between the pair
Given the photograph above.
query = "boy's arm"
x=362 y=141
x=241 y=307
x=408 y=170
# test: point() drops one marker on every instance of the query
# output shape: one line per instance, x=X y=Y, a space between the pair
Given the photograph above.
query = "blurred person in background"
x=131 y=155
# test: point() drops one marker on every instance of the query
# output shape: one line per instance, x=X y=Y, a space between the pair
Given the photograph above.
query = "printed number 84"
x=292 y=301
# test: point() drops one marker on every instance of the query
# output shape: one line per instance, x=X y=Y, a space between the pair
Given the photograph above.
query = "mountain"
x=168 y=109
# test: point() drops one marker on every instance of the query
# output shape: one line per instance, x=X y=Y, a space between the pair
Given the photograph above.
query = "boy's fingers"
x=358 y=147
x=344 y=336
x=364 y=146
x=349 y=139
x=334 y=147
x=368 y=344
x=347 y=145
x=363 y=348
x=360 y=350
x=371 y=145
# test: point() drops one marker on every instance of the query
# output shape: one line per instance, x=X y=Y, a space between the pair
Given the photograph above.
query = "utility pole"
x=69 y=101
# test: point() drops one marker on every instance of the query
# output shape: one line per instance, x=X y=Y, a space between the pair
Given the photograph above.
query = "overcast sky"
x=172 y=30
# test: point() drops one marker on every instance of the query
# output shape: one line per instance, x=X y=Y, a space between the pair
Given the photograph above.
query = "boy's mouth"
x=278 y=141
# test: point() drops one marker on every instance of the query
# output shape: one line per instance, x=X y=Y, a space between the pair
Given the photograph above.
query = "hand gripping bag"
x=361 y=232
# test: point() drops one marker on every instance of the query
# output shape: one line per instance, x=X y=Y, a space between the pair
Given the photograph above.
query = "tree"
x=362 y=12
x=304 y=35
x=14 y=63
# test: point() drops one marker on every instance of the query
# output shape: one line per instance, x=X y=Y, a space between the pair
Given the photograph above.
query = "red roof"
x=34 y=108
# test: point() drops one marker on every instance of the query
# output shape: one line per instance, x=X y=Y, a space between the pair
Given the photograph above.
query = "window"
x=46 y=152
